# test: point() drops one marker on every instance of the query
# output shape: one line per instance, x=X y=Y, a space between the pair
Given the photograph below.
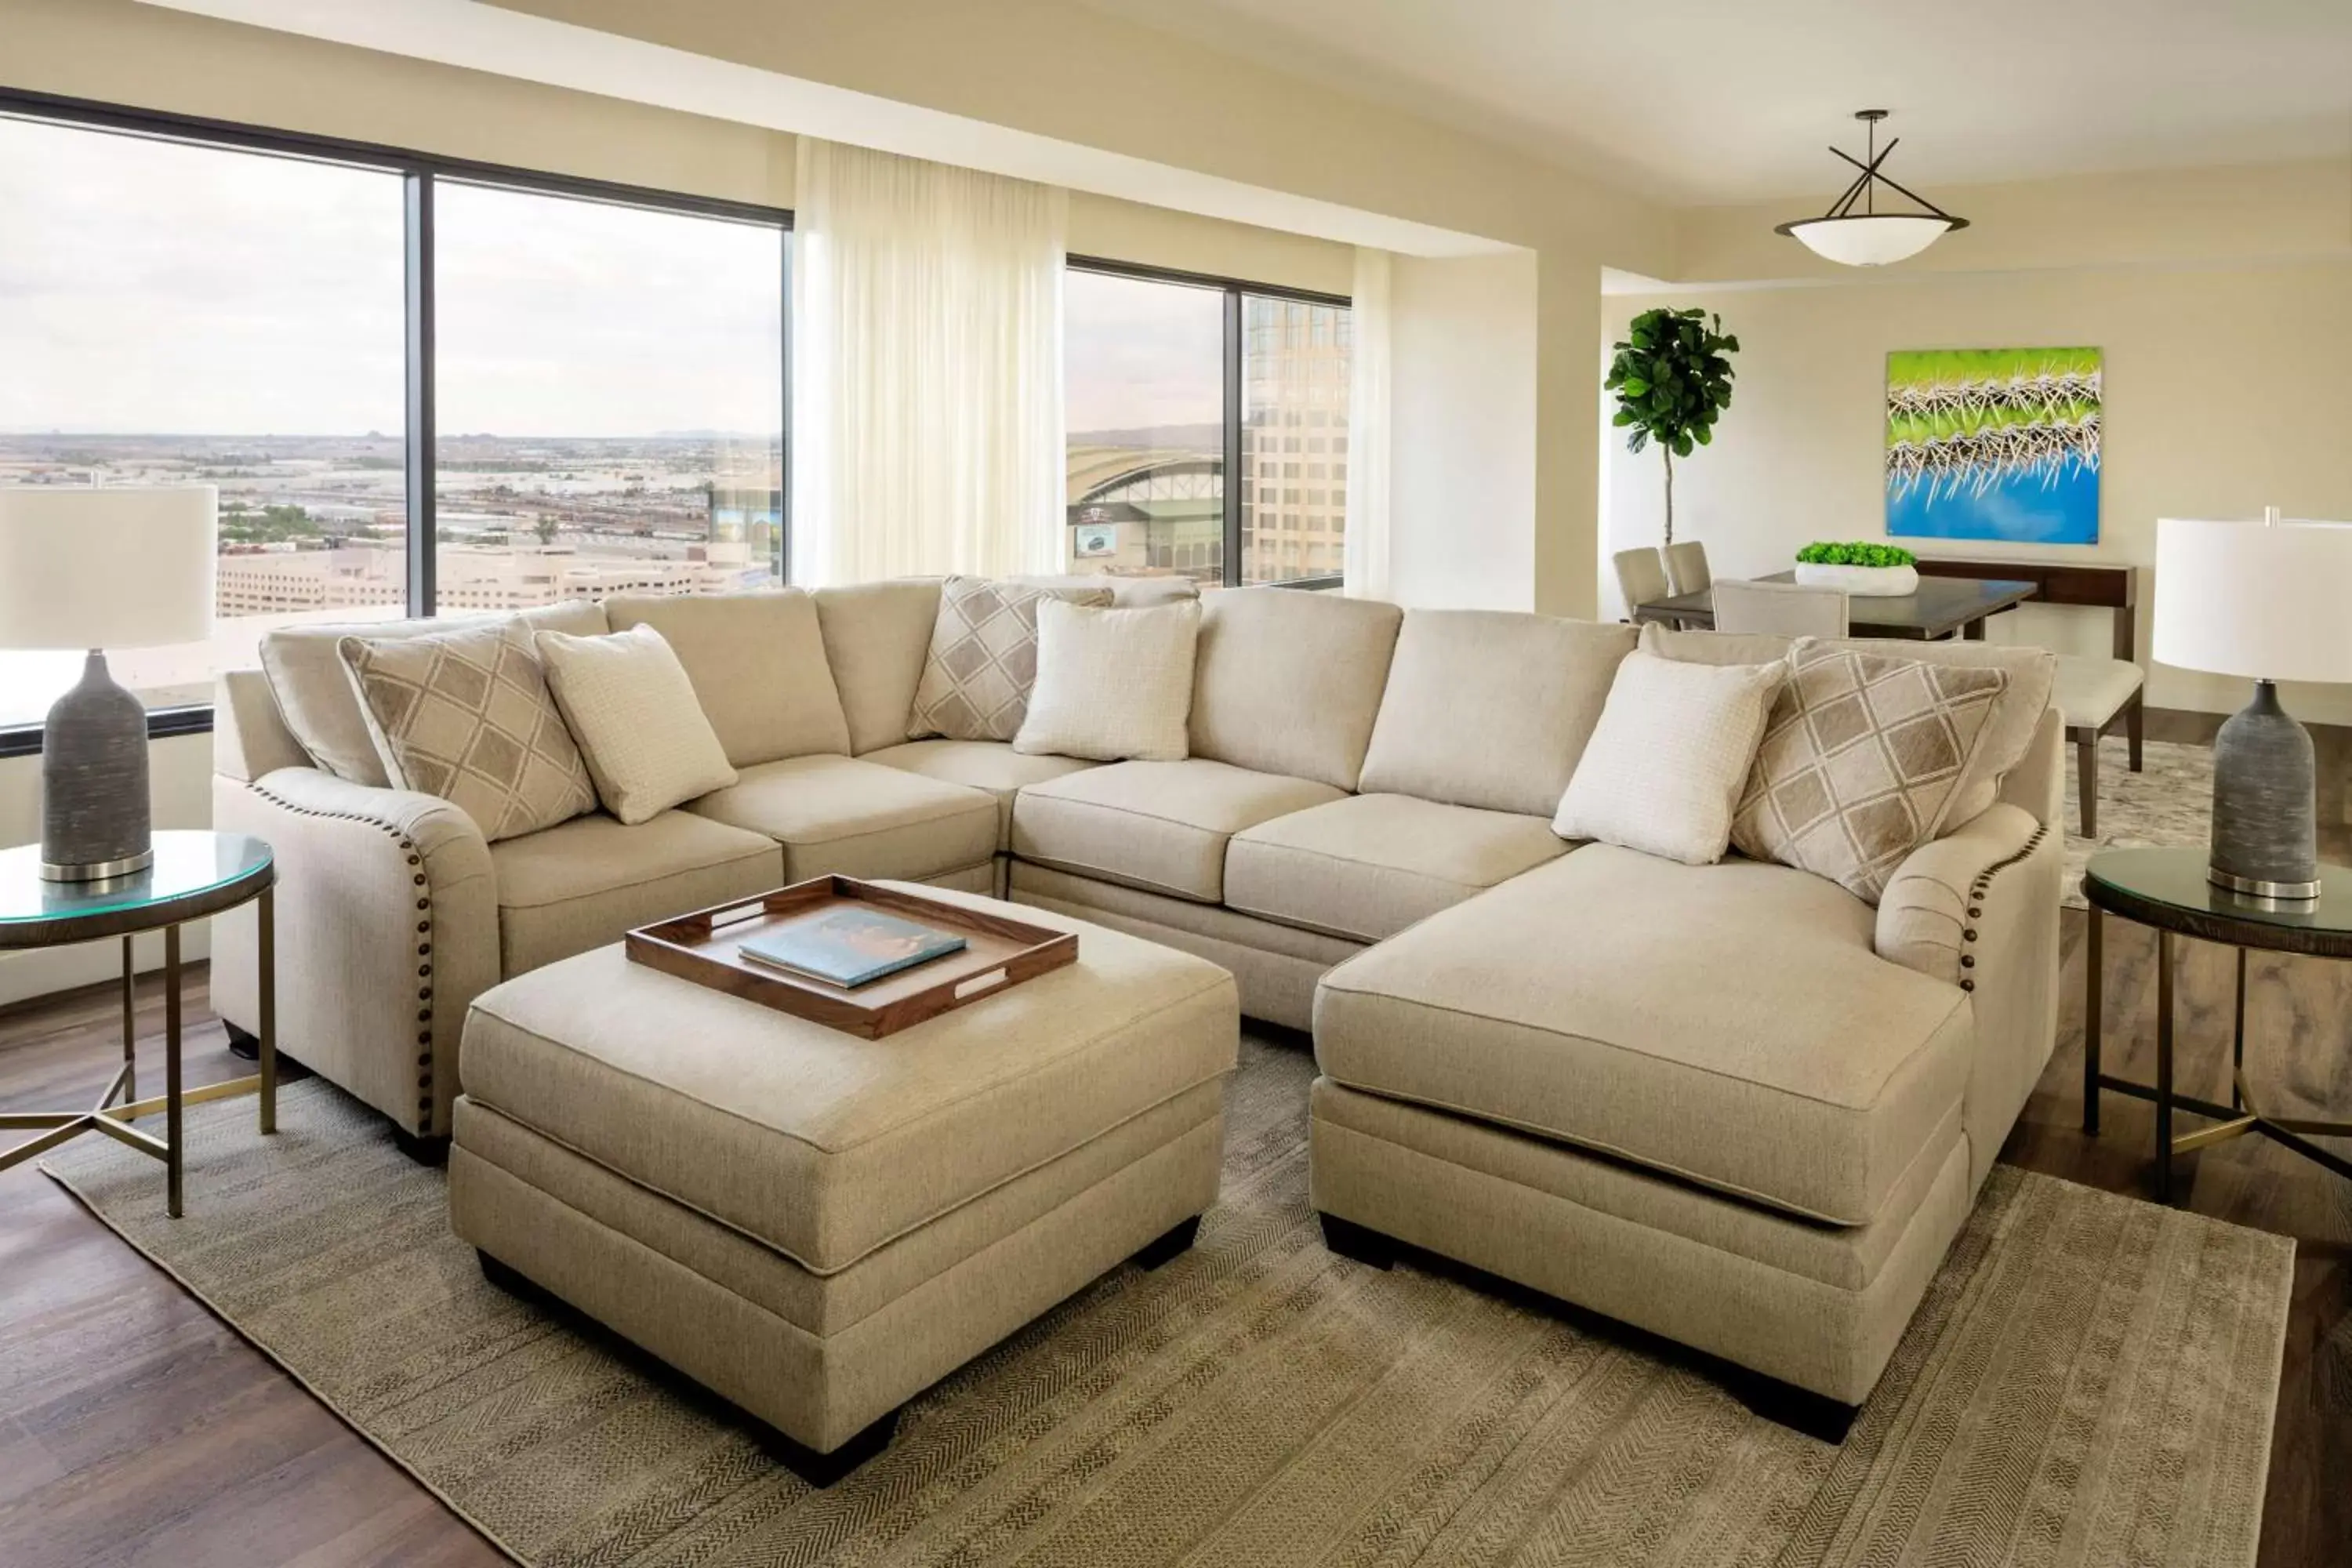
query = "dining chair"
x=1787 y=609
x=1641 y=577
x=1687 y=567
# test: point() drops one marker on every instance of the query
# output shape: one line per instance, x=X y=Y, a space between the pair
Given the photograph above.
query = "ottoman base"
x=721 y=1318
x=819 y=1470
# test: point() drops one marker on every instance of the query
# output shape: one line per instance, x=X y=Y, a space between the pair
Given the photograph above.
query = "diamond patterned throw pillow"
x=983 y=658
x=466 y=714
x=1862 y=756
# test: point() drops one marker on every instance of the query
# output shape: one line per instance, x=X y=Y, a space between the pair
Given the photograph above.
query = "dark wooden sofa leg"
x=818 y=1469
x=424 y=1150
x=1169 y=1245
x=245 y=1046
x=1351 y=1240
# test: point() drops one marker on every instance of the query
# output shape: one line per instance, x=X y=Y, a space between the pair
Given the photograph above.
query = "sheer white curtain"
x=1364 y=571
x=927 y=369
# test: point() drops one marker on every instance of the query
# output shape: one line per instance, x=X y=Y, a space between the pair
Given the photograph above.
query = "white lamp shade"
x=1869 y=240
x=2267 y=601
x=106 y=566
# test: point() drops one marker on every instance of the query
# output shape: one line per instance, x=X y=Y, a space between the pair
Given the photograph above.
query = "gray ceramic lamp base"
x=95 y=817
x=2265 y=816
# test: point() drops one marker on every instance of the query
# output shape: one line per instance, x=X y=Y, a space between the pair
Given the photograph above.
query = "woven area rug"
x=2090 y=1380
x=2168 y=804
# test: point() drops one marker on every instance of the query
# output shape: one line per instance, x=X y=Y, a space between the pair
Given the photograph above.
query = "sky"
x=1139 y=353
x=148 y=287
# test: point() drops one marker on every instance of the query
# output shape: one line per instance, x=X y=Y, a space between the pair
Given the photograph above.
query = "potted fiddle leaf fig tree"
x=1672 y=374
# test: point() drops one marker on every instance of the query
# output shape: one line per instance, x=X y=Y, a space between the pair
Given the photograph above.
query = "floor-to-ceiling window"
x=420 y=385
x=1145 y=391
x=610 y=400
x=1207 y=426
x=173 y=313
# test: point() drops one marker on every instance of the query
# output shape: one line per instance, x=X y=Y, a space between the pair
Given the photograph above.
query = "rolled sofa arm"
x=1978 y=909
x=387 y=930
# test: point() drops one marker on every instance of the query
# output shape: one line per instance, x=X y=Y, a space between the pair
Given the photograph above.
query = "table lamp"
x=2272 y=601
x=100 y=567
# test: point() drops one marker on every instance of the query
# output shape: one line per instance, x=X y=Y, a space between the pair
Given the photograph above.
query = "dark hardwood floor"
x=136 y=1428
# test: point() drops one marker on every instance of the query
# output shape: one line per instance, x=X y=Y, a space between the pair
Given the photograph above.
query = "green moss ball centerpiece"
x=1866 y=571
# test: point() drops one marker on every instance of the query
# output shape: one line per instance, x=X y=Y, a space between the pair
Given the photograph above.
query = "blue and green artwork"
x=1993 y=444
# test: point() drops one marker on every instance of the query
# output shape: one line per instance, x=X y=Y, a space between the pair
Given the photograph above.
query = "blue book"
x=848 y=945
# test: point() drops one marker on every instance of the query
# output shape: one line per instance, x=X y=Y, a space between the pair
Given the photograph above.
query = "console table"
x=2115 y=588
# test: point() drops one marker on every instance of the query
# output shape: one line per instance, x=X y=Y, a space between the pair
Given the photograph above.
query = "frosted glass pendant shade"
x=1868 y=239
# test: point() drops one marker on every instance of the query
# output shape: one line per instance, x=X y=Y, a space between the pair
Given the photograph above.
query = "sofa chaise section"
x=1732 y=1103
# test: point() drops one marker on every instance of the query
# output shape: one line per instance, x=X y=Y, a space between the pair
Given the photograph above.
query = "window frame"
x=419 y=170
x=1236 y=361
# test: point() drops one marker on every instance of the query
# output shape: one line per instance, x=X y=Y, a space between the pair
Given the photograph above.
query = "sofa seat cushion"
x=584 y=882
x=991 y=765
x=1726 y=1024
x=1162 y=827
x=853 y=817
x=1368 y=866
x=825 y=1146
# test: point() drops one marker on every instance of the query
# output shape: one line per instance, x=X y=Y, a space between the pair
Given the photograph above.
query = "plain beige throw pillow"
x=628 y=702
x=1665 y=765
x=1112 y=686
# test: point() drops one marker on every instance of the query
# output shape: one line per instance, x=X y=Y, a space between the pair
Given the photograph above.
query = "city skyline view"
x=609 y=389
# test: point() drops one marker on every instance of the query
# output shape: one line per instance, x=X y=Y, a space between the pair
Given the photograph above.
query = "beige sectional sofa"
x=1733 y=1103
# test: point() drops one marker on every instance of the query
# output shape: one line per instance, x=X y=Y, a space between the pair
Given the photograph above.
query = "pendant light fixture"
x=1869 y=237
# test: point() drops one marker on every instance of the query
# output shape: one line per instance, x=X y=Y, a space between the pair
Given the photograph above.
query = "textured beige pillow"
x=1112 y=685
x=465 y=714
x=630 y=707
x=314 y=692
x=983 y=658
x=1665 y=765
x=1863 y=759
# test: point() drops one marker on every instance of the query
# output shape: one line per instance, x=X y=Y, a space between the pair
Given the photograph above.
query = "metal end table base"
x=114 y=1120
x=2238 y=1118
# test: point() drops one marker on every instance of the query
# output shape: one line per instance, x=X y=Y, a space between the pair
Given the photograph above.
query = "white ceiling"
x=1729 y=101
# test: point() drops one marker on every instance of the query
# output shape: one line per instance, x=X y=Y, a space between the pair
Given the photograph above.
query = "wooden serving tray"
x=999 y=953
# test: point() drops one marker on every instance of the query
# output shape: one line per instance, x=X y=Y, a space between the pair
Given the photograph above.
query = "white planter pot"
x=1862 y=582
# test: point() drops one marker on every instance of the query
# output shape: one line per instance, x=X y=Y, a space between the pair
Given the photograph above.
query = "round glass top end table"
x=195 y=875
x=2167 y=890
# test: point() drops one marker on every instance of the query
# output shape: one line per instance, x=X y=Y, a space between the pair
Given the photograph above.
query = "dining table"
x=1938 y=607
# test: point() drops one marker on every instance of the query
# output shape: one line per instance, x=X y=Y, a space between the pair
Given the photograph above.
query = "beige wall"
x=2225 y=391
x=1461 y=407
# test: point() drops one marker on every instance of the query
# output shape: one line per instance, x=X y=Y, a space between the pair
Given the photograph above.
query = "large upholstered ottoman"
x=818 y=1226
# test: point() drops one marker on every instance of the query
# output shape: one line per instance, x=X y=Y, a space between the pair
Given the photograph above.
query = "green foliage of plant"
x=274 y=524
x=1672 y=374
x=1857 y=553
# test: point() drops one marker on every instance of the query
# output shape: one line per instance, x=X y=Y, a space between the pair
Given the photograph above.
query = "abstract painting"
x=1993 y=444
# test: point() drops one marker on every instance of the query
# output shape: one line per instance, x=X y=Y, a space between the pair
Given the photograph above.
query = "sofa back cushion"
x=758 y=664
x=1126 y=593
x=1491 y=708
x=319 y=705
x=1290 y=681
x=877 y=636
